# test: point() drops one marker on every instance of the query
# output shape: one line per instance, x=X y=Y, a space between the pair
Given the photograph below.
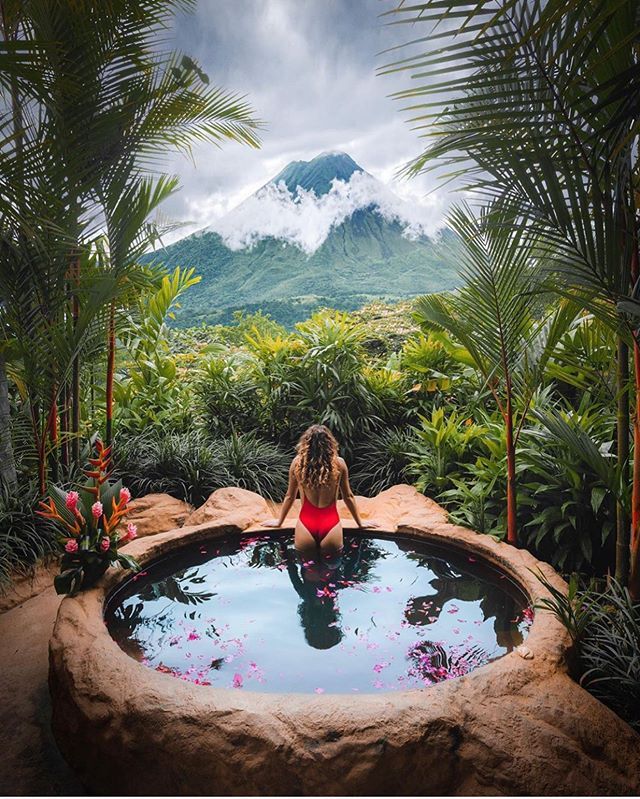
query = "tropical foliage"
x=90 y=106
x=535 y=106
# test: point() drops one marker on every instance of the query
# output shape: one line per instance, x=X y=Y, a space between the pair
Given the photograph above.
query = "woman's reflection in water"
x=318 y=612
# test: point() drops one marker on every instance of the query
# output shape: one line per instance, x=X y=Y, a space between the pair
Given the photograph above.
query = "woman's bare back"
x=324 y=495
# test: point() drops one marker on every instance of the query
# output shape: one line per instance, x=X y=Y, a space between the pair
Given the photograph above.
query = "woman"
x=318 y=472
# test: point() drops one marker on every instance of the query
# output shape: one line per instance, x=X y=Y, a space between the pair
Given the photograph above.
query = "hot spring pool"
x=391 y=613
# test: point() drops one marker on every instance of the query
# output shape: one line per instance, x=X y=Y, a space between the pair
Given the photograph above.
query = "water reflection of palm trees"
x=451 y=583
x=130 y=619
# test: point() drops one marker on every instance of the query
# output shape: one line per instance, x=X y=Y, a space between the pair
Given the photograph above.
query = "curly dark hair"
x=317 y=456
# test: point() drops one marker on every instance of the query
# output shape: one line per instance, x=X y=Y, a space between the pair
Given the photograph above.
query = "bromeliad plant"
x=88 y=522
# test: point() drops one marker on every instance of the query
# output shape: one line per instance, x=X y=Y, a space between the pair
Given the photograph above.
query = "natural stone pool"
x=391 y=613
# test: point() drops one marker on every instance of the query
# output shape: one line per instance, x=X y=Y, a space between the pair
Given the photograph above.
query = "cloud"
x=309 y=70
x=306 y=220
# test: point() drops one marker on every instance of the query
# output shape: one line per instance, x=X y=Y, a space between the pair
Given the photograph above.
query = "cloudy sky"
x=308 y=67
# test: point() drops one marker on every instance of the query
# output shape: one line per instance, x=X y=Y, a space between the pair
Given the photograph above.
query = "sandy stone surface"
x=515 y=726
x=30 y=763
x=156 y=513
x=25 y=586
x=246 y=507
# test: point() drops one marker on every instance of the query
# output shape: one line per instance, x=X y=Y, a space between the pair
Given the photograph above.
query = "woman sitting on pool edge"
x=318 y=472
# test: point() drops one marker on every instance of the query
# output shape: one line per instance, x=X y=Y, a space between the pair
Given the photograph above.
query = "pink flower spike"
x=72 y=500
x=132 y=531
x=105 y=543
x=71 y=545
x=96 y=510
x=237 y=680
x=125 y=495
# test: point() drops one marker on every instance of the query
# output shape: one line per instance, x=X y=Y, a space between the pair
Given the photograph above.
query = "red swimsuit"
x=318 y=521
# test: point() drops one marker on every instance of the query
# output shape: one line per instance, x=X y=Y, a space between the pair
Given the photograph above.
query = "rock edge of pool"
x=516 y=725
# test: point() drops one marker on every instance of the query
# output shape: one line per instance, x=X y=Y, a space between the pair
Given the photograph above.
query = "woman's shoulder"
x=342 y=462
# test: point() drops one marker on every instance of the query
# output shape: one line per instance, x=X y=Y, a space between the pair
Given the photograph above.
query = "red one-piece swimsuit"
x=318 y=521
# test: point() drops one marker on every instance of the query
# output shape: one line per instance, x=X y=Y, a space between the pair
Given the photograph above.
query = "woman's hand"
x=271 y=523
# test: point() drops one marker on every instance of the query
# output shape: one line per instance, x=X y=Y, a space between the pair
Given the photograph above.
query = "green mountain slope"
x=318 y=173
x=363 y=258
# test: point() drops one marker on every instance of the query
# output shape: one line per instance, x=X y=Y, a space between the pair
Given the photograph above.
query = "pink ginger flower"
x=105 y=543
x=237 y=680
x=72 y=500
x=96 y=510
x=71 y=545
x=125 y=495
x=132 y=531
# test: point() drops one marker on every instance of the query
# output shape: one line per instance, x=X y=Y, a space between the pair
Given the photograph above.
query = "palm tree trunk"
x=64 y=426
x=53 y=434
x=622 y=518
x=37 y=441
x=512 y=530
x=7 y=462
x=75 y=376
x=111 y=360
x=634 y=576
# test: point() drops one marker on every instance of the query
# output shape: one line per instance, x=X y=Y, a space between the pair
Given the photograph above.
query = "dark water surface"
x=391 y=613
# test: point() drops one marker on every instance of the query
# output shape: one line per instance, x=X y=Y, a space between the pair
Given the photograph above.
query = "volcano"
x=320 y=233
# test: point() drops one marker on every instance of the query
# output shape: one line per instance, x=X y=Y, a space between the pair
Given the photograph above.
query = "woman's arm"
x=289 y=498
x=347 y=493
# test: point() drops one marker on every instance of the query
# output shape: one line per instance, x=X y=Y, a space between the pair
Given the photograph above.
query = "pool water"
x=388 y=614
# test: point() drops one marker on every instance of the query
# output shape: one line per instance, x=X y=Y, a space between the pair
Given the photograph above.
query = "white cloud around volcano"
x=305 y=220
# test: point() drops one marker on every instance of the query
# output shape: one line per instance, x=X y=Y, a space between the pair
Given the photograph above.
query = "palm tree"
x=94 y=107
x=492 y=317
x=7 y=463
x=538 y=103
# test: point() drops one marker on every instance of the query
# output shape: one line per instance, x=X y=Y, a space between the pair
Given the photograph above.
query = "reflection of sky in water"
x=389 y=614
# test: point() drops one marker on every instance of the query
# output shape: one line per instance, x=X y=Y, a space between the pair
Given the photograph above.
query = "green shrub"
x=252 y=463
x=190 y=466
x=24 y=537
x=382 y=460
x=568 y=485
x=225 y=395
x=184 y=465
x=444 y=443
x=477 y=499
